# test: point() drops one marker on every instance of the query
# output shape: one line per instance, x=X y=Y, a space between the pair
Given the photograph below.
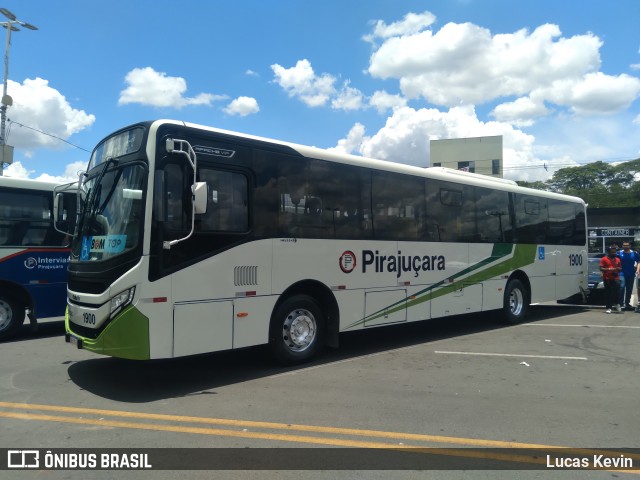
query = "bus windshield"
x=111 y=214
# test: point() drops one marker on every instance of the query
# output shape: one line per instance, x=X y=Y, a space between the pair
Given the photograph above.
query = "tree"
x=582 y=178
x=538 y=185
x=599 y=184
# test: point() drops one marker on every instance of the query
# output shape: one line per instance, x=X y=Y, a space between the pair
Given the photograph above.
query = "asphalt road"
x=568 y=377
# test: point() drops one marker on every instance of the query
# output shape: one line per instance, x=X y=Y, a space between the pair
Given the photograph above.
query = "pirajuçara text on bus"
x=192 y=239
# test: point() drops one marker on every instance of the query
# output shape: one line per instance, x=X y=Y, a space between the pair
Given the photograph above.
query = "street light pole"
x=7 y=101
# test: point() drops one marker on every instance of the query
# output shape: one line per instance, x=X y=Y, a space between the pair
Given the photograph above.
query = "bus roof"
x=27 y=184
x=440 y=173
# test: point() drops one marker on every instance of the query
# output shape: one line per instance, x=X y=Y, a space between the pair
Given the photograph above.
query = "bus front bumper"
x=126 y=336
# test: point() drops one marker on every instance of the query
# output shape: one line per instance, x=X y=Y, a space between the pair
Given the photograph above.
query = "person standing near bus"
x=638 y=287
x=628 y=259
x=610 y=267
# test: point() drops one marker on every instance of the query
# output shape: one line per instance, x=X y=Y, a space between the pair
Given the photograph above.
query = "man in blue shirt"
x=629 y=259
x=638 y=287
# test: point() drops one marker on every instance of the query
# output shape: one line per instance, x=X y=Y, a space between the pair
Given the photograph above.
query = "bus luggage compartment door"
x=201 y=327
x=382 y=307
x=465 y=299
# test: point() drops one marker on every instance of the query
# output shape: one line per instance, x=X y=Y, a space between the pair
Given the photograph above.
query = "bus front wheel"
x=296 y=330
x=516 y=302
x=11 y=317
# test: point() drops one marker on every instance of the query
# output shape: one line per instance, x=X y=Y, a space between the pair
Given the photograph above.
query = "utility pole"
x=6 y=151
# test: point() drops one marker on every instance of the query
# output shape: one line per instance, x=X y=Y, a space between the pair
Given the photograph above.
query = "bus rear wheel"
x=297 y=329
x=516 y=302
x=11 y=317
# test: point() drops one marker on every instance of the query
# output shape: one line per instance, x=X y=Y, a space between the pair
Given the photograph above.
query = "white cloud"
x=636 y=121
x=411 y=23
x=467 y=64
x=520 y=112
x=599 y=93
x=251 y=73
x=18 y=170
x=353 y=142
x=39 y=106
x=348 y=98
x=314 y=90
x=70 y=173
x=302 y=82
x=156 y=89
x=242 y=106
x=406 y=135
x=383 y=101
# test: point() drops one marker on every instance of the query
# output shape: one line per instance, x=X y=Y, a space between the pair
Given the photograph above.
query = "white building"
x=477 y=154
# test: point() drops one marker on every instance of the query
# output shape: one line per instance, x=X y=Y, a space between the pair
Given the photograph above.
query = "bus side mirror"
x=200 y=197
x=57 y=201
x=61 y=223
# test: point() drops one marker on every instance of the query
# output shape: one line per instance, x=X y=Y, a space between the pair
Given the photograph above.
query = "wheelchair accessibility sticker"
x=540 y=253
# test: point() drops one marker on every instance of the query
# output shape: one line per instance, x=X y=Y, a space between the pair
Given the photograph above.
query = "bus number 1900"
x=575 y=260
x=89 y=318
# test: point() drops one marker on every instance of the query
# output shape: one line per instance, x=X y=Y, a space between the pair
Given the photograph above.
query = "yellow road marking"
x=281 y=426
x=467 y=453
x=268 y=436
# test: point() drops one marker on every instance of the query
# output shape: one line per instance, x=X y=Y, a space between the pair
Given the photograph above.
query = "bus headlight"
x=121 y=300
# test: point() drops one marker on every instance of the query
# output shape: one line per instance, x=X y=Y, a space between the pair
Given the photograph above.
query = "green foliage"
x=599 y=184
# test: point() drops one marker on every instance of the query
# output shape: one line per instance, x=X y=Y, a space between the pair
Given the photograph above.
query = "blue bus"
x=33 y=254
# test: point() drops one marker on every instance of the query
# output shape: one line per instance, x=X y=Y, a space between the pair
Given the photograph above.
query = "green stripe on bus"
x=127 y=336
x=522 y=255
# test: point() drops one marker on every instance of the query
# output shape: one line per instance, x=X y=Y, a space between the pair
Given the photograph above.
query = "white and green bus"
x=192 y=239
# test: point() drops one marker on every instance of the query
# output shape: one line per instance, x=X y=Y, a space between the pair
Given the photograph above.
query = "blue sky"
x=560 y=80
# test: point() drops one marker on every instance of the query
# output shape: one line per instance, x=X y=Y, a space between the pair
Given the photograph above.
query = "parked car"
x=595 y=292
x=596 y=286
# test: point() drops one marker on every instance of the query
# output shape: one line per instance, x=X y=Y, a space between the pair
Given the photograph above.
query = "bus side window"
x=531 y=219
x=36 y=235
x=17 y=233
x=170 y=205
x=451 y=212
x=239 y=204
x=227 y=208
x=562 y=224
x=292 y=188
x=398 y=212
x=492 y=215
x=313 y=207
x=29 y=218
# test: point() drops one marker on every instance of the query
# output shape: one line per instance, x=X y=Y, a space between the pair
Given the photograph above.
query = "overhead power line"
x=534 y=166
x=541 y=166
x=49 y=135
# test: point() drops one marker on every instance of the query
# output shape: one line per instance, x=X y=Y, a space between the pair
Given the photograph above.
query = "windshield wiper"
x=107 y=163
x=91 y=207
x=109 y=194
